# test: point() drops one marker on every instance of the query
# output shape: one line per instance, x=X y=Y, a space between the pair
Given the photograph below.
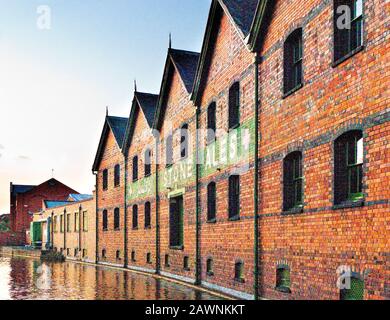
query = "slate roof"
x=242 y=12
x=148 y=103
x=19 y=188
x=79 y=197
x=186 y=63
x=118 y=127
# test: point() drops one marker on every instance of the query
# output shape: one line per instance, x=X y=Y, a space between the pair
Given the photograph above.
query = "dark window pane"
x=211 y=122
x=105 y=179
x=135 y=217
x=105 y=220
x=184 y=139
x=234 y=105
x=135 y=168
x=176 y=222
x=116 y=219
x=211 y=201
x=293 y=61
x=148 y=163
x=147 y=215
x=234 y=196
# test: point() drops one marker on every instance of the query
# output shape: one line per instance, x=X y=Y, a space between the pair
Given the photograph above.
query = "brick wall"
x=333 y=100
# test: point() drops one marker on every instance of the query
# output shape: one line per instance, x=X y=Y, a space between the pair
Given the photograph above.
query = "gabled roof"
x=19 y=188
x=117 y=126
x=79 y=197
x=147 y=102
x=260 y=24
x=241 y=14
x=50 y=204
x=185 y=63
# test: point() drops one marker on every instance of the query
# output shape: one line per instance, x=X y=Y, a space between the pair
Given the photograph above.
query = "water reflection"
x=28 y=279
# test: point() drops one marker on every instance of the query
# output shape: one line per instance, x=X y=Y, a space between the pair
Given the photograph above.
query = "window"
x=348 y=35
x=76 y=222
x=176 y=223
x=238 y=271
x=348 y=166
x=184 y=141
x=135 y=168
x=135 y=217
x=356 y=291
x=149 y=258
x=85 y=221
x=62 y=223
x=116 y=219
x=68 y=222
x=292 y=181
x=76 y=251
x=169 y=150
x=234 y=197
x=105 y=179
x=117 y=175
x=118 y=255
x=234 y=106
x=211 y=122
x=148 y=162
x=85 y=253
x=293 y=61
x=105 y=220
x=186 y=263
x=210 y=267
x=133 y=256
x=55 y=224
x=211 y=202
x=68 y=252
x=283 y=281
x=166 y=261
x=147 y=215
x=104 y=253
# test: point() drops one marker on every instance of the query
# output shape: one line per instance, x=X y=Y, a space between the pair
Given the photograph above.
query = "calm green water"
x=29 y=279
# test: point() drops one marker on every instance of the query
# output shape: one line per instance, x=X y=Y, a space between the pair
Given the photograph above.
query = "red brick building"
x=139 y=150
x=25 y=200
x=110 y=193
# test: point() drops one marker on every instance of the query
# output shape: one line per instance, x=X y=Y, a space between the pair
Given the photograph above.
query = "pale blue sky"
x=55 y=84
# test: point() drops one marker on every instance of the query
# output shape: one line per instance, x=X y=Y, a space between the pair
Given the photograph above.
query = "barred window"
x=211 y=122
x=105 y=220
x=147 y=215
x=148 y=162
x=234 y=197
x=234 y=106
x=293 y=58
x=283 y=281
x=105 y=179
x=184 y=141
x=356 y=290
x=211 y=202
x=348 y=166
x=116 y=219
x=135 y=168
x=135 y=217
x=117 y=175
x=292 y=181
x=348 y=35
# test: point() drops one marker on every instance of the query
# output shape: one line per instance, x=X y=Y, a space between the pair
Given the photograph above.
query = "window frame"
x=117 y=175
x=211 y=123
x=293 y=62
x=212 y=202
x=282 y=279
x=148 y=163
x=239 y=272
x=135 y=163
x=294 y=180
x=135 y=217
x=184 y=141
x=237 y=198
x=105 y=220
x=105 y=180
x=148 y=215
x=169 y=151
x=234 y=106
x=117 y=219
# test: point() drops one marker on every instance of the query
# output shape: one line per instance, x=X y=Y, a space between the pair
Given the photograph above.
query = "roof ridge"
x=185 y=51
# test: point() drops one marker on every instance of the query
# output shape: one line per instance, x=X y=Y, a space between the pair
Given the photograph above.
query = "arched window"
x=147 y=215
x=184 y=141
x=239 y=271
x=234 y=197
x=348 y=35
x=116 y=219
x=135 y=217
x=210 y=267
x=355 y=290
x=211 y=202
x=211 y=122
x=117 y=175
x=169 y=150
x=292 y=181
x=105 y=220
x=293 y=57
x=105 y=179
x=135 y=168
x=348 y=167
x=148 y=162
x=283 y=281
x=234 y=106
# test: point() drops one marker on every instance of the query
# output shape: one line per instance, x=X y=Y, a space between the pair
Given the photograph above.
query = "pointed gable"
x=147 y=103
x=260 y=23
x=117 y=126
x=185 y=64
x=240 y=14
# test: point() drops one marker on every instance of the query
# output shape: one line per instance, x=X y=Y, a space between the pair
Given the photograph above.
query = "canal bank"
x=26 y=261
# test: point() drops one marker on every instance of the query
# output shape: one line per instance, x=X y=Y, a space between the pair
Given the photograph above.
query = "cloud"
x=24 y=158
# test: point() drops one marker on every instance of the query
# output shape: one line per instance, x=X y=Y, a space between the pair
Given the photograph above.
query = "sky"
x=62 y=62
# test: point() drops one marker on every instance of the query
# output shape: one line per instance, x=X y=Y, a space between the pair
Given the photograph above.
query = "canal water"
x=30 y=279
